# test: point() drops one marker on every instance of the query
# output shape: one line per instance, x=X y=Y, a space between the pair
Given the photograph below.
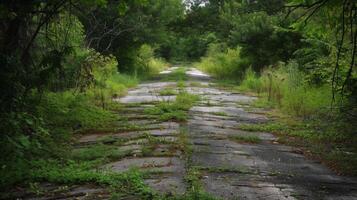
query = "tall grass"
x=223 y=64
x=146 y=64
x=284 y=87
x=251 y=81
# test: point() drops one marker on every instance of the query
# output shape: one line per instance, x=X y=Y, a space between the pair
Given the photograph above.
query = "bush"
x=73 y=111
x=223 y=63
x=49 y=118
x=145 y=62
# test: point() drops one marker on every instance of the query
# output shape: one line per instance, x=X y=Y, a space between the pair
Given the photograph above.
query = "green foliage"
x=95 y=152
x=257 y=33
x=178 y=75
x=285 y=88
x=46 y=131
x=70 y=92
x=246 y=139
x=176 y=110
x=195 y=190
x=167 y=92
x=129 y=183
x=76 y=111
x=181 y=85
x=251 y=81
x=223 y=64
x=220 y=113
x=122 y=28
x=146 y=64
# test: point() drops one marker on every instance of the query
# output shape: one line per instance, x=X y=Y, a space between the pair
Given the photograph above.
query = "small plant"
x=196 y=190
x=130 y=182
x=177 y=75
x=220 y=113
x=253 y=139
x=268 y=127
x=183 y=143
x=223 y=64
x=167 y=92
x=181 y=85
x=99 y=151
x=225 y=169
x=251 y=81
x=195 y=84
x=176 y=111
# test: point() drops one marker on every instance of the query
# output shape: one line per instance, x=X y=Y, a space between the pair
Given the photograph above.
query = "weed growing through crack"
x=71 y=172
x=196 y=84
x=168 y=92
x=98 y=151
x=253 y=139
x=177 y=75
x=176 y=110
x=181 y=85
x=220 y=113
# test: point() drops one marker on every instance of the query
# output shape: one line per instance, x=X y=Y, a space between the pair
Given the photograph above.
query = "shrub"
x=146 y=64
x=223 y=63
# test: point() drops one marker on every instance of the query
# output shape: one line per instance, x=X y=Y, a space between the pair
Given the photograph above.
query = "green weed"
x=246 y=139
x=98 y=151
x=168 y=92
x=177 y=110
x=130 y=183
x=223 y=64
x=177 y=75
x=195 y=84
x=251 y=81
x=224 y=169
x=220 y=113
x=181 y=85
x=196 y=190
x=183 y=143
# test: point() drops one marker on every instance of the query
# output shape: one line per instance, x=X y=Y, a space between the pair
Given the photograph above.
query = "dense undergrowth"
x=45 y=129
x=223 y=63
x=50 y=117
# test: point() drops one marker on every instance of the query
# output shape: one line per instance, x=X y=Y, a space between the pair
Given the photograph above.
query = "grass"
x=224 y=169
x=195 y=187
x=220 y=113
x=174 y=111
x=148 y=149
x=177 y=75
x=183 y=142
x=252 y=139
x=98 y=151
x=181 y=85
x=128 y=183
x=196 y=84
x=223 y=64
x=167 y=92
